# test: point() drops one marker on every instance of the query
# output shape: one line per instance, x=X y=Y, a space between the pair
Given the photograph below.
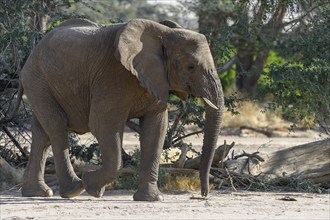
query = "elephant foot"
x=93 y=186
x=75 y=188
x=149 y=192
x=39 y=189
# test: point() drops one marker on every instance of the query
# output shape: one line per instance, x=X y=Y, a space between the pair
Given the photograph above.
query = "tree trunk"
x=308 y=161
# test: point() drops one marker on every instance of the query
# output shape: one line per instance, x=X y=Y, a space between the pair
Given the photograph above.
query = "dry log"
x=220 y=153
x=4 y=165
x=307 y=161
x=9 y=176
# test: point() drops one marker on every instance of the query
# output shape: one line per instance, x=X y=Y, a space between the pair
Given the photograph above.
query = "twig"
x=253 y=155
x=264 y=145
x=299 y=18
x=183 y=157
x=224 y=150
x=176 y=123
x=187 y=135
x=227 y=65
x=12 y=138
x=231 y=180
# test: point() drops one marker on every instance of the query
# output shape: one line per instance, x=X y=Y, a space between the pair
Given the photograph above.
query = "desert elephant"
x=83 y=77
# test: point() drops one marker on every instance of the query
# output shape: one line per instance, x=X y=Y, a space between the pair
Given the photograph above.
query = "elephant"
x=83 y=77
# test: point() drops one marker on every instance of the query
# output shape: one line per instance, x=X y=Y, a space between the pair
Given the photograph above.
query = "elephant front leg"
x=153 y=130
x=109 y=136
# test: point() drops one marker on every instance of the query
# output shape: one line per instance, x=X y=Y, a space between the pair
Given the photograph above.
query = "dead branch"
x=265 y=131
x=300 y=18
x=220 y=153
x=175 y=125
x=227 y=65
x=231 y=180
x=183 y=156
x=187 y=135
x=250 y=156
x=13 y=139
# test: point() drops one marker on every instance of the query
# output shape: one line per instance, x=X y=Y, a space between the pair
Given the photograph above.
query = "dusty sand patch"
x=120 y=205
x=220 y=205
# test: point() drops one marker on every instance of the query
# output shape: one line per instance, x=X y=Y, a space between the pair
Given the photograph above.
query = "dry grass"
x=250 y=114
x=181 y=183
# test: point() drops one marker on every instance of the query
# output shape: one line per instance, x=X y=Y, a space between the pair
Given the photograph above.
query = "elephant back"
x=77 y=22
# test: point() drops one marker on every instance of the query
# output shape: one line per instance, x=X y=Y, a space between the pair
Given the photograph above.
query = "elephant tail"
x=18 y=100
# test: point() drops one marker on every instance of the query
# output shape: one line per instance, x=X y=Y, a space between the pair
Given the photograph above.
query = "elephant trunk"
x=213 y=115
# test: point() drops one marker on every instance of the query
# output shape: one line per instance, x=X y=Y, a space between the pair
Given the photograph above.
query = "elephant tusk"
x=210 y=103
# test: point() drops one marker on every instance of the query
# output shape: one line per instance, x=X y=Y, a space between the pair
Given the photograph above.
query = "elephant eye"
x=190 y=67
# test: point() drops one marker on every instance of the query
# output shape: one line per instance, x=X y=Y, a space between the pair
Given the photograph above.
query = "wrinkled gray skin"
x=83 y=77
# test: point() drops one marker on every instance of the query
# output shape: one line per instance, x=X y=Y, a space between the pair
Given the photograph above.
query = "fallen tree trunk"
x=9 y=176
x=308 y=161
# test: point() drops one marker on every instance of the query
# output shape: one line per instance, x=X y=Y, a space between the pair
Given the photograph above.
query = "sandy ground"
x=219 y=205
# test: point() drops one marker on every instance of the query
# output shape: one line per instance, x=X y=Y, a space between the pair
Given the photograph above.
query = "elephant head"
x=164 y=58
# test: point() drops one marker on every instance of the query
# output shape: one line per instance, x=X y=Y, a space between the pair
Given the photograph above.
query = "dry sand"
x=220 y=204
x=120 y=205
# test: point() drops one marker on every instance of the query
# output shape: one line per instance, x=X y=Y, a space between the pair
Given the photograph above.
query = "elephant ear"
x=139 y=49
x=173 y=24
x=170 y=24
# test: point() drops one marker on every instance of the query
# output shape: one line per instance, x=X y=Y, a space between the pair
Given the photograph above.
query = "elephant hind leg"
x=70 y=185
x=53 y=120
x=33 y=182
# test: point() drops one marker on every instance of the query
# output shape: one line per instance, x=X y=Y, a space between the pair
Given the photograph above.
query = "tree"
x=22 y=25
x=301 y=85
x=246 y=31
x=122 y=10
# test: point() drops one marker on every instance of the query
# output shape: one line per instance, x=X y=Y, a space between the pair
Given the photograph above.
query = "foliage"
x=165 y=181
x=15 y=38
x=131 y=181
x=272 y=42
x=300 y=86
x=88 y=154
x=302 y=92
x=182 y=114
x=242 y=33
x=122 y=10
x=22 y=25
